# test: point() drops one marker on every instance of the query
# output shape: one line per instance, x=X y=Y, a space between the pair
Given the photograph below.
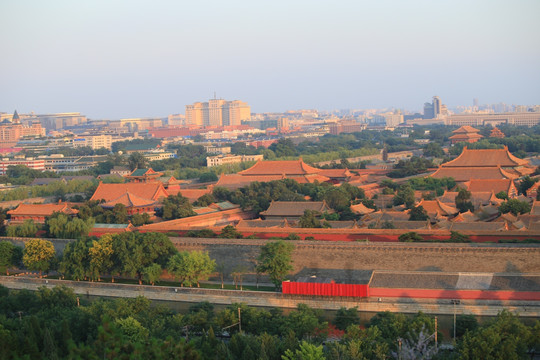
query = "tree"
x=191 y=267
x=76 y=260
x=462 y=200
x=61 y=226
x=525 y=184
x=136 y=251
x=152 y=273
x=515 y=206
x=346 y=317
x=410 y=237
x=418 y=213
x=27 y=229
x=275 y=260
x=176 y=207
x=230 y=232
x=9 y=254
x=283 y=147
x=433 y=149
x=307 y=351
x=502 y=195
x=504 y=338
x=137 y=160
x=405 y=195
x=101 y=256
x=38 y=254
x=310 y=219
x=458 y=237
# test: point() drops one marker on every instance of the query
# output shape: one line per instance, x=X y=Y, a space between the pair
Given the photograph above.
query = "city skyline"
x=135 y=59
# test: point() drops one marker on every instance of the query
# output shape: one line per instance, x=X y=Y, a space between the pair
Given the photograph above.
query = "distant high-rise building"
x=475 y=103
x=434 y=109
x=436 y=106
x=217 y=112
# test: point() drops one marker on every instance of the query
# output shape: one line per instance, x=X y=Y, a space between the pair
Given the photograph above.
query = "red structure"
x=325 y=289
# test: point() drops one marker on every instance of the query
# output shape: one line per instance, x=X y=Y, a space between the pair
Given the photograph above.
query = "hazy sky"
x=116 y=58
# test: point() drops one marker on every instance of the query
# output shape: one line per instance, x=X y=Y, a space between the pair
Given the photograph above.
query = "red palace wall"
x=357 y=290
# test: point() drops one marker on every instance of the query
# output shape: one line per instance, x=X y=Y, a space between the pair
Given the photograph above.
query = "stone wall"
x=271 y=299
x=350 y=261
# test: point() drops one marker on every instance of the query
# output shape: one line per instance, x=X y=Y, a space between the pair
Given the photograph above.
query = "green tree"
x=410 y=237
x=418 y=213
x=38 y=255
x=9 y=254
x=230 y=232
x=433 y=149
x=76 y=260
x=462 y=200
x=346 y=317
x=275 y=260
x=61 y=226
x=515 y=206
x=191 y=267
x=101 y=256
x=136 y=251
x=176 y=207
x=27 y=229
x=152 y=273
x=525 y=184
x=502 y=195
x=504 y=338
x=307 y=351
x=310 y=219
x=404 y=195
x=137 y=160
x=458 y=237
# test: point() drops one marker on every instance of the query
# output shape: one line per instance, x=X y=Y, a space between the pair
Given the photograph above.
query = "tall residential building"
x=217 y=112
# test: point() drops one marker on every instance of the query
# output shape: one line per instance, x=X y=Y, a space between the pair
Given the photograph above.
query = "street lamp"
x=455 y=302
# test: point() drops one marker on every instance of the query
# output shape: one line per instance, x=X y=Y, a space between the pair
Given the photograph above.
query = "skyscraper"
x=434 y=109
x=217 y=112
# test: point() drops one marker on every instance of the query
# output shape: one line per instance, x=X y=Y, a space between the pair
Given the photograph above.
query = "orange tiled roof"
x=361 y=209
x=485 y=158
x=194 y=194
x=295 y=208
x=465 y=129
x=435 y=206
x=461 y=174
x=42 y=209
x=336 y=173
x=235 y=181
x=465 y=217
x=287 y=167
x=129 y=200
x=108 y=192
x=490 y=185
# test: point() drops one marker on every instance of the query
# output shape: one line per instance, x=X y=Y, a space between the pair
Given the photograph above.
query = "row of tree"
x=55 y=324
x=143 y=256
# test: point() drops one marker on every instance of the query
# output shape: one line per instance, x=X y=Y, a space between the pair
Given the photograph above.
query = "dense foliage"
x=49 y=324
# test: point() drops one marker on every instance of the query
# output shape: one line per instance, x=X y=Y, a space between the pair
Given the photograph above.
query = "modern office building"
x=217 y=112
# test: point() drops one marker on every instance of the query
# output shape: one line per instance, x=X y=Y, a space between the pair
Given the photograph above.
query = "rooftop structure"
x=484 y=164
x=465 y=134
x=110 y=192
x=38 y=212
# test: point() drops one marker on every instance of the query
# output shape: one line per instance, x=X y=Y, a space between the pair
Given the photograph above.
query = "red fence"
x=320 y=289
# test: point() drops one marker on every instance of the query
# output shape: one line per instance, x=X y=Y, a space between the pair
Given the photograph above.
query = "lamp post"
x=455 y=302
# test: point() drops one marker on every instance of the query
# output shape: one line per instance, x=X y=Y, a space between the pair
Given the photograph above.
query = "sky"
x=112 y=59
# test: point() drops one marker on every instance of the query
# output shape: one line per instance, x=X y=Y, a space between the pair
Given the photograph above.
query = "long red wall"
x=363 y=290
x=455 y=294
